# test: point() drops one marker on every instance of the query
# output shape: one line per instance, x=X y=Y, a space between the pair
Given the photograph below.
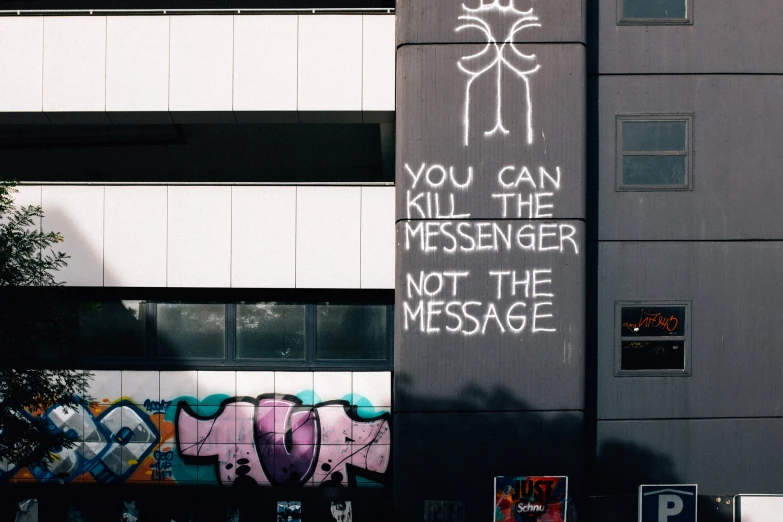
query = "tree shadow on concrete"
x=451 y=450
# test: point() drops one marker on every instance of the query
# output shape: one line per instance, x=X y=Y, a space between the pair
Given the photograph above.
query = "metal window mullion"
x=310 y=333
x=231 y=337
x=653 y=338
x=654 y=153
x=152 y=331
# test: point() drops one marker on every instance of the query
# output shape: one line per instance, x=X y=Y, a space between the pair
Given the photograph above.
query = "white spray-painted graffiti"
x=495 y=56
x=509 y=288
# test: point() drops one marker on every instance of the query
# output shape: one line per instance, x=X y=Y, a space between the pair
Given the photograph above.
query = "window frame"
x=685 y=338
x=688 y=20
x=72 y=357
x=620 y=154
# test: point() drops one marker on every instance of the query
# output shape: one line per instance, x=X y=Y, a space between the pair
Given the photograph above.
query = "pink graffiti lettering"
x=276 y=440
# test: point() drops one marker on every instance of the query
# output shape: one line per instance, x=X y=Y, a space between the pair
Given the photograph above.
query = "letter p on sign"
x=668 y=503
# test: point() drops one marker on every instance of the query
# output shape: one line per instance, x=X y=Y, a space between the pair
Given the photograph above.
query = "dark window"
x=653 y=339
x=106 y=332
x=186 y=330
x=120 y=324
x=351 y=332
x=654 y=11
x=199 y=153
x=653 y=152
x=271 y=331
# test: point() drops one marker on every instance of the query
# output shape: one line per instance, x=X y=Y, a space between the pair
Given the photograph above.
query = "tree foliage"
x=33 y=322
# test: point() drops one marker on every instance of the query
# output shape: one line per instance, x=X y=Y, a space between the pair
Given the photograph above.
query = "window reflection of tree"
x=191 y=330
x=270 y=330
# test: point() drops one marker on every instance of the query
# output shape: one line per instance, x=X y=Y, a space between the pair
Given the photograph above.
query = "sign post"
x=668 y=503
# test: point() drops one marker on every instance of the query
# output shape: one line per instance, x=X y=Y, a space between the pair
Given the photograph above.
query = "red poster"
x=531 y=499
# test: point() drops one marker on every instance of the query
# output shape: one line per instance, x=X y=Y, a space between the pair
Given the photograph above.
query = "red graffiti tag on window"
x=653 y=320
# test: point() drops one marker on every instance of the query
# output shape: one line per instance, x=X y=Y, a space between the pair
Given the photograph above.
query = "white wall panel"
x=21 y=64
x=199 y=236
x=135 y=236
x=378 y=53
x=330 y=63
x=265 y=50
x=377 y=237
x=201 y=63
x=137 y=63
x=263 y=237
x=74 y=63
x=76 y=212
x=327 y=237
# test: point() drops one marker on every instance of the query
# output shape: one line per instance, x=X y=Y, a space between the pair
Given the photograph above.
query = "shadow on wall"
x=450 y=449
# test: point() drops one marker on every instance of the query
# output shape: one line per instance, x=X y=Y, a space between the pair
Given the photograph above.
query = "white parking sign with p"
x=668 y=503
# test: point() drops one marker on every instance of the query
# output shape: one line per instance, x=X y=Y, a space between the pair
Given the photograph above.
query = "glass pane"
x=654 y=170
x=653 y=355
x=642 y=136
x=351 y=332
x=654 y=9
x=112 y=328
x=191 y=330
x=653 y=321
x=270 y=331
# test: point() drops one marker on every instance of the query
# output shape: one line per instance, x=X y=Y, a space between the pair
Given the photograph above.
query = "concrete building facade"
x=513 y=237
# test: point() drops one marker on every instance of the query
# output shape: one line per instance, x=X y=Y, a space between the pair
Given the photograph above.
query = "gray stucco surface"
x=736 y=158
x=735 y=291
x=727 y=36
x=431 y=132
x=435 y=21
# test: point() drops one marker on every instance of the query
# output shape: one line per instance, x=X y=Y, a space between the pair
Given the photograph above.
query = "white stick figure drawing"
x=476 y=65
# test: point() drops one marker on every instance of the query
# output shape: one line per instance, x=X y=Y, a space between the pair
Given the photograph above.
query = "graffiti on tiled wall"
x=295 y=429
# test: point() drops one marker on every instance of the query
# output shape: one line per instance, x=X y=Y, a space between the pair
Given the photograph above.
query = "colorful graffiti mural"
x=273 y=439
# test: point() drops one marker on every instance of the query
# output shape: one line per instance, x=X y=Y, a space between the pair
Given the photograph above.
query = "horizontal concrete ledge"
x=184 y=117
x=147 y=12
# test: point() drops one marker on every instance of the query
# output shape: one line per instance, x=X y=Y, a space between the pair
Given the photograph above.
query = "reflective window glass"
x=351 y=332
x=191 y=330
x=115 y=328
x=270 y=331
x=653 y=153
x=639 y=136
x=662 y=9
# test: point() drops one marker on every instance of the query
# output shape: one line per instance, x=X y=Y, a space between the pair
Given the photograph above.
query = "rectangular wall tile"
x=135 y=236
x=295 y=383
x=140 y=386
x=265 y=60
x=253 y=384
x=76 y=212
x=327 y=237
x=377 y=240
x=199 y=236
x=137 y=63
x=178 y=385
x=201 y=54
x=330 y=386
x=21 y=63
x=105 y=386
x=330 y=63
x=217 y=383
x=373 y=386
x=263 y=233
x=74 y=64
x=378 y=53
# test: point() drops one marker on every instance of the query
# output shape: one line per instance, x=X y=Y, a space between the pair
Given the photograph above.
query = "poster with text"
x=531 y=499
